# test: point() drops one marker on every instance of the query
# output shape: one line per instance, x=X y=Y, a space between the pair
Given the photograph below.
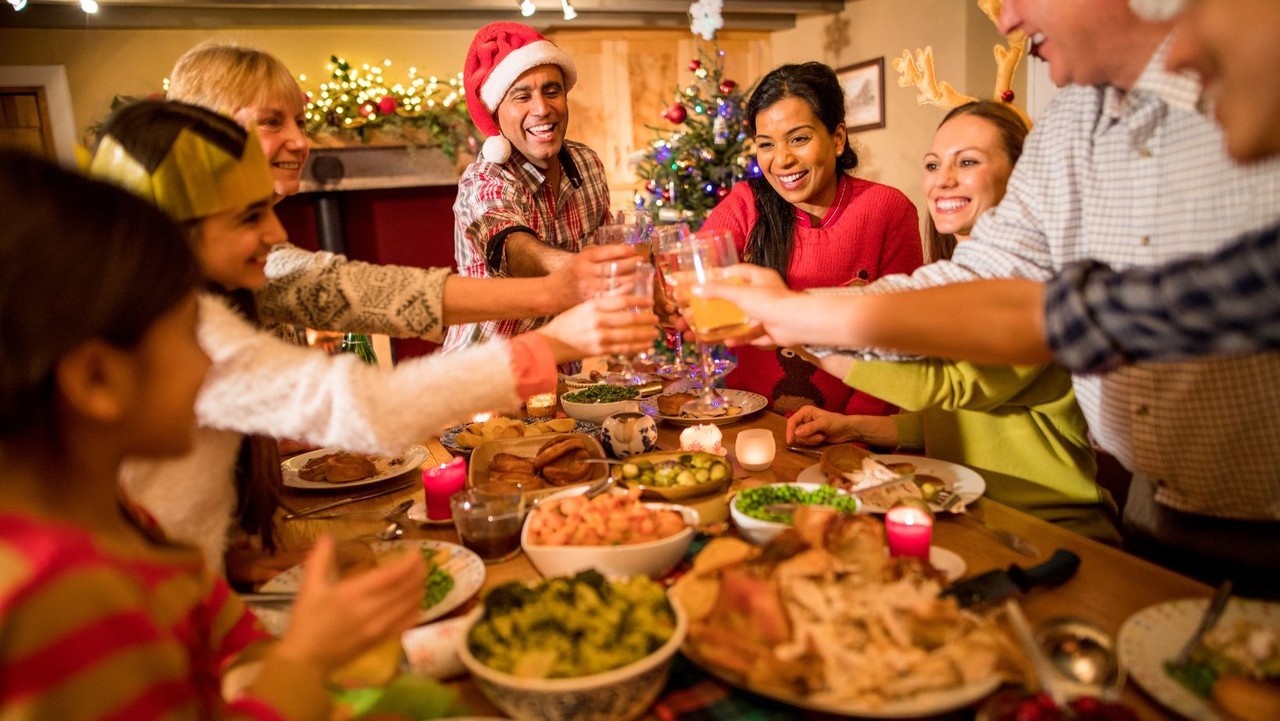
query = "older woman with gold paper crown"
x=212 y=177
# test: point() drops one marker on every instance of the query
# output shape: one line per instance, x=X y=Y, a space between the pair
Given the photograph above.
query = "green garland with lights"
x=362 y=104
x=688 y=171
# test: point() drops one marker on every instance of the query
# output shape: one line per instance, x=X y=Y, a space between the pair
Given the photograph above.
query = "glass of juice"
x=488 y=518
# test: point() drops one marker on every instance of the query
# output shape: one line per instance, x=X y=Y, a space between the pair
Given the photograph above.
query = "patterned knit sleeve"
x=901 y=249
x=261 y=385
x=326 y=291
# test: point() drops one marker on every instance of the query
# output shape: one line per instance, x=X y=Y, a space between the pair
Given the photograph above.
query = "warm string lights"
x=89 y=6
x=360 y=98
x=527 y=8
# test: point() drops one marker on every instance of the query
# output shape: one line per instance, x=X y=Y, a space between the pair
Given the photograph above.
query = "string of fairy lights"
x=356 y=96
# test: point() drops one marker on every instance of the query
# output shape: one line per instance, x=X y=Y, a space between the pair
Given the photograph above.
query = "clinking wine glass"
x=666 y=242
x=704 y=258
x=633 y=276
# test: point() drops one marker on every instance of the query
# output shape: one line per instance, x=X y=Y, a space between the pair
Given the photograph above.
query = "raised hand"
x=602 y=326
x=761 y=294
x=333 y=621
x=585 y=275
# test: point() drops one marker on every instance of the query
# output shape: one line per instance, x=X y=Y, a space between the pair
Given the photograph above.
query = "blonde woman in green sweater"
x=1018 y=426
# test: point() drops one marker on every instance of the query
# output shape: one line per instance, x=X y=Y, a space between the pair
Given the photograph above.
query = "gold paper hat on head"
x=916 y=70
x=190 y=162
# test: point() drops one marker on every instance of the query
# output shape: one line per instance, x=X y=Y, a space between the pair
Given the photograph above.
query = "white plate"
x=748 y=401
x=418 y=514
x=926 y=704
x=1157 y=633
x=961 y=479
x=412 y=457
x=465 y=566
x=947 y=561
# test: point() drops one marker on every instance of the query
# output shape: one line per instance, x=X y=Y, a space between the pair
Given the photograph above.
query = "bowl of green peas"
x=765 y=511
x=596 y=403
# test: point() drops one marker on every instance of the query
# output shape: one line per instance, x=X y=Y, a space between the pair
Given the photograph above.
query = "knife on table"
x=334 y=504
x=995 y=586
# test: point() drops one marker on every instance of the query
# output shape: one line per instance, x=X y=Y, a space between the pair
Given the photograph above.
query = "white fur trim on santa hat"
x=1157 y=10
x=517 y=63
x=496 y=149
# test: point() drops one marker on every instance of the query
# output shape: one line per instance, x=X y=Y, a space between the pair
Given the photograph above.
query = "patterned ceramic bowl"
x=618 y=695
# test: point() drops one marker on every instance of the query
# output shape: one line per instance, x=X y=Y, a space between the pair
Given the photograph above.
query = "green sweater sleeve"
x=948 y=385
x=910 y=430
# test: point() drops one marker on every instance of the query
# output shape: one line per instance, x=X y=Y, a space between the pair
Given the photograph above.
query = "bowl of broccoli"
x=581 y=647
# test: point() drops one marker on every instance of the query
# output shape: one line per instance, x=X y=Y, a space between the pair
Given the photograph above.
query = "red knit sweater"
x=871 y=231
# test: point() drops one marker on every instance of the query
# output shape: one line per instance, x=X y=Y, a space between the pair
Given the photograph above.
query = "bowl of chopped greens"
x=763 y=512
x=581 y=647
x=596 y=403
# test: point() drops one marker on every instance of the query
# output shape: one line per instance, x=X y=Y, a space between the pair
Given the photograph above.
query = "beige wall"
x=103 y=63
x=962 y=39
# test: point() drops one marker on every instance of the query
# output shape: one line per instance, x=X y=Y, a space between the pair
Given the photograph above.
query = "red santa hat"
x=499 y=54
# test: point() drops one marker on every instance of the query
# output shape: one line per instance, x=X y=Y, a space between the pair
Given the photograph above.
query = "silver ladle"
x=1083 y=655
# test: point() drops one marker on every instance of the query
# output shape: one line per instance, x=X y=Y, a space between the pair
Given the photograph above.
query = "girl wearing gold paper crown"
x=809 y=218
x=102 y=617
x=210 y=175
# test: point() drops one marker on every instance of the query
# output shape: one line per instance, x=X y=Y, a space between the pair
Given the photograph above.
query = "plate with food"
x=463 y=438
x=329 y=469
x=674 y=475
x=1232 y=665
x=454 y=574
x=929 y=478
x=667 y=407
x=835 y=625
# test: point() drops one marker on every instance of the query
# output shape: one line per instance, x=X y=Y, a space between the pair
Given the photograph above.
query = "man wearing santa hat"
x=532 y=201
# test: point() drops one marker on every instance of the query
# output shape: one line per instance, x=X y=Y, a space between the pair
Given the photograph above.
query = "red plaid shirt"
x=497 y=199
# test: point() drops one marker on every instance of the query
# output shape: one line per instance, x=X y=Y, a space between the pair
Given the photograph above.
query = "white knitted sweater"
x=259 y=384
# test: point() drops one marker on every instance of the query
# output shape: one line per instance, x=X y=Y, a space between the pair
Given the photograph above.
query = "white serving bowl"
x=618 y=695
x=597 y=412
x=653 y=559
x=753 y=529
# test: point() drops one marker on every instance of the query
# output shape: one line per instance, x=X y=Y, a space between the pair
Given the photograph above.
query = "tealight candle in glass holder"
x=908 y=530
x=542 y=405
x=755 y=448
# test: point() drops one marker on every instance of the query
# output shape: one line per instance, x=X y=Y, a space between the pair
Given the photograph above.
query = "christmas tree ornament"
x=722 y=192
x=701 y=73
x=676 y=114
x=727 y=86
x=387 y=105
x=694 y=65
x=691 y=91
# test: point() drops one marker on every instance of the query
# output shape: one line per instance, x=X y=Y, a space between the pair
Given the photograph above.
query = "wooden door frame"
x=51 y=81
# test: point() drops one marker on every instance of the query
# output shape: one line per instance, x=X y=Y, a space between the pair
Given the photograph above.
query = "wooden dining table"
x=1110 y=585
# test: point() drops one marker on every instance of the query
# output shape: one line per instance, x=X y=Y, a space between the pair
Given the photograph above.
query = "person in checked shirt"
x=531 y=203
x=1127 y=169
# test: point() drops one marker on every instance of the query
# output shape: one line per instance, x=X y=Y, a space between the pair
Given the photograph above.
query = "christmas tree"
x=688 y=171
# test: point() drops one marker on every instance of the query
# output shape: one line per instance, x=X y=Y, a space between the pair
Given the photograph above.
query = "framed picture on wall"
x=863 y=85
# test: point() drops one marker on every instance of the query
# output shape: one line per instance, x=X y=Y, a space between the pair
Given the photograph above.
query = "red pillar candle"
x=440 y=483
x=908 y=530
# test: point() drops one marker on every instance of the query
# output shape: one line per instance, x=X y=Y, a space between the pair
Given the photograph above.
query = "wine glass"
x=640 y=219
x=703 y=258
x=630 y=276
x=666 y=243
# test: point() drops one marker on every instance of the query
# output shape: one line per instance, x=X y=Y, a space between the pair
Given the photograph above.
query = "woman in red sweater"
x=811 y=220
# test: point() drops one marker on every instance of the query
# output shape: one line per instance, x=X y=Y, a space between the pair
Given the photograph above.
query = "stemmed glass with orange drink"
x=701 y=258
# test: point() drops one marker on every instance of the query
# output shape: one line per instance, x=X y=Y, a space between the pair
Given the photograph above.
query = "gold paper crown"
x=916 y=70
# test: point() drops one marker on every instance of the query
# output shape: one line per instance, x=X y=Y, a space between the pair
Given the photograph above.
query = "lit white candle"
x=542 y=405
x=703 y=437
x=755 y=449
x=481 y=417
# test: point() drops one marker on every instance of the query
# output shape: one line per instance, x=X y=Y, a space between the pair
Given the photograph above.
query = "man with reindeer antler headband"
x=1125 y=168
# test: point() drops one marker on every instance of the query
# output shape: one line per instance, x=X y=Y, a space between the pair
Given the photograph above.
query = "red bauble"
x=694 y=65
x=387 y=105
x=676 y=114
x=1007 y=96
x=727 y=86
x=368 y=111
x=721 y=192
